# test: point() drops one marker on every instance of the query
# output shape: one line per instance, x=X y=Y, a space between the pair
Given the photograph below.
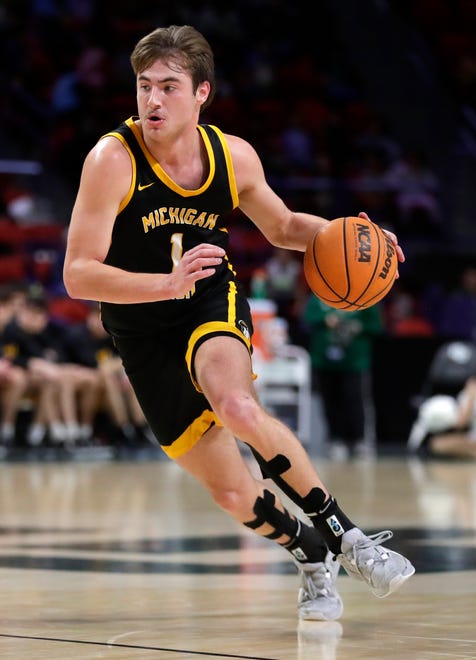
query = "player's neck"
x=173 y=148
x=184 y=159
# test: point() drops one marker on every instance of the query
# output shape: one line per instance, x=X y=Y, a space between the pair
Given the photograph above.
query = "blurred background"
x=368 y=106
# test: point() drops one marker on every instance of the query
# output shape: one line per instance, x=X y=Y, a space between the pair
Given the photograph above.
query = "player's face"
x=166 y=101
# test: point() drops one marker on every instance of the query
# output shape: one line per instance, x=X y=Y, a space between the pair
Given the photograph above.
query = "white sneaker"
x=364 y=559
x=7 y=433
x=72 y=433
x=35 y=435
x=318 y=598
x=57 y=432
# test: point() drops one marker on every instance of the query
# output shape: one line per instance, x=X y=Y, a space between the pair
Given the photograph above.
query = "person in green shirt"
x=341 y=345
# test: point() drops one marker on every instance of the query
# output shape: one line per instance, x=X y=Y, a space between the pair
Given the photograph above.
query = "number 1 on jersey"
x=176 y=255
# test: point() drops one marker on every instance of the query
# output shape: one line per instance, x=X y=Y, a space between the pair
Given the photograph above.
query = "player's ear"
x=203 y=90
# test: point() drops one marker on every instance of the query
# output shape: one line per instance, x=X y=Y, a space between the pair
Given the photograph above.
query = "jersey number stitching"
x=176 y=255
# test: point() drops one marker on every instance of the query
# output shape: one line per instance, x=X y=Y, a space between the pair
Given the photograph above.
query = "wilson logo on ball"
x=388 y=260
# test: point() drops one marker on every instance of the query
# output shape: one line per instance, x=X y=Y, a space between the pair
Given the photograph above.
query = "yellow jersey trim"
x=128 y=197
x=229 y=166
x=213 y=327
x=162 y=174
x=191 y=435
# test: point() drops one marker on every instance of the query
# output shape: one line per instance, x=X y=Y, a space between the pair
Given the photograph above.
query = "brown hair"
x=181 y=45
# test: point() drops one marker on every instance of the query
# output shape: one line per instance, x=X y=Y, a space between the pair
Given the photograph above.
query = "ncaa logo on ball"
x=335 y=525
x=364 y=243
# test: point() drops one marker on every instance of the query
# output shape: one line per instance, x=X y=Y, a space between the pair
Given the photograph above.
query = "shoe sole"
x=318 y=616
x=395 y=584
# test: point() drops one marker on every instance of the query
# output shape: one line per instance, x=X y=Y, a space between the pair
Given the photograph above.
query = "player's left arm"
x=281 y=226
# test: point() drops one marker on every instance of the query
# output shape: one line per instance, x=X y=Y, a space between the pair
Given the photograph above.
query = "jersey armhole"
x=229 y=166
x=130 y=192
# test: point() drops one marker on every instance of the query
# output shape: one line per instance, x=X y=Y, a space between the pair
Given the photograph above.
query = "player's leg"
x=191 y=434
x=215 y=460
x=222 y=369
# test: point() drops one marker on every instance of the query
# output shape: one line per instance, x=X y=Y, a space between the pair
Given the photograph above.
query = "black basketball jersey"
x=158 y=221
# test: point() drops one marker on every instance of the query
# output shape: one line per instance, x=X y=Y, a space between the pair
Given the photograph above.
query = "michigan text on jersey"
x=178 y=216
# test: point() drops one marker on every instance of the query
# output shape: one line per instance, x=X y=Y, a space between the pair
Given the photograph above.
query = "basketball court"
x=130 y=559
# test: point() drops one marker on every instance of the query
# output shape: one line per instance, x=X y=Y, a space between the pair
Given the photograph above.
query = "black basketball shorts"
x=160 y=369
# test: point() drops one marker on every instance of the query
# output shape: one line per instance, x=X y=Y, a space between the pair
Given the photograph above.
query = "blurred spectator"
x=456 y=316
x=341 y=356
x=417 y=195
x=66 y=392
x=369 y=183
x=404 y=316
x=282 y=273
x=89 y=345
x=376 y=137
x=22 y=203
x=297 y=145
x=446 y=425
x=13 y=379
x=89 y=74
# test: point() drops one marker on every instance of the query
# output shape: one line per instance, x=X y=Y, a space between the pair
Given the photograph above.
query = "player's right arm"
x=105 y=182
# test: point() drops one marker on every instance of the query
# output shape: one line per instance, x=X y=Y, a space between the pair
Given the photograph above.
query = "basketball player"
x=148 y=239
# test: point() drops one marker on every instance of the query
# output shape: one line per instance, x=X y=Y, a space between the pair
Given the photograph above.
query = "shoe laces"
x=372 y=541
x=317 y=582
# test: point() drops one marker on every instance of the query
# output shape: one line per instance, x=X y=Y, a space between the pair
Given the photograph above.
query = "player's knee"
x=227 y=499
x=238 y=412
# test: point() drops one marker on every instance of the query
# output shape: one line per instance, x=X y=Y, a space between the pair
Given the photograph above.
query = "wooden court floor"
x=131 y=560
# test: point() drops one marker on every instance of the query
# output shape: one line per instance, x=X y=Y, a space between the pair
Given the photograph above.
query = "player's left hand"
x=392 y=237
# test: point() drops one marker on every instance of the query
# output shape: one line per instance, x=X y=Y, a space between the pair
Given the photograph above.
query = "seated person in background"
x=446 y=425
x=13 y=379
x=66 y=393
x=89 y=345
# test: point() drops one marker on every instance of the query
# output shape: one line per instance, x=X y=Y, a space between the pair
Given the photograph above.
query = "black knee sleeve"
x=273 y=469
x=313 y=502
x=326 y=516
x=266 y=511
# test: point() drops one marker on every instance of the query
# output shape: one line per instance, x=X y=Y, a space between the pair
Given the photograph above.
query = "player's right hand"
x=195 y=264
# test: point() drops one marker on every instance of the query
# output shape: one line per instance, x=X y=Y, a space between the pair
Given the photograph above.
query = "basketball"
x=350 y=264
